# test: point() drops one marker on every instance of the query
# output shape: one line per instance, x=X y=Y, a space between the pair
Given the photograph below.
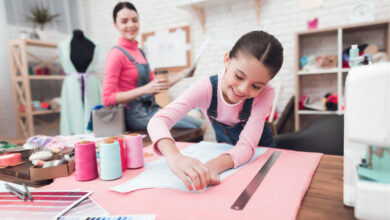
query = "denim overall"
x=230 y=134
x=140 y=110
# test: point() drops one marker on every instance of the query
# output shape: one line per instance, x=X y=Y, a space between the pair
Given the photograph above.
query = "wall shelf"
x=313 y=72
x=46 y=77
x=198 y=7
x=313 y=112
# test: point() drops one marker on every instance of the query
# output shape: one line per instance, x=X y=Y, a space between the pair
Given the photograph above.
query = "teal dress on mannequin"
x=75 y=112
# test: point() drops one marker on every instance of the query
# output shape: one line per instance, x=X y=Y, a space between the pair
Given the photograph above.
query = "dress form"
x=81 y=54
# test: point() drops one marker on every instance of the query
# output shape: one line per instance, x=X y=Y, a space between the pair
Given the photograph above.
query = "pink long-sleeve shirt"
x=199 y=95
x=121 y=74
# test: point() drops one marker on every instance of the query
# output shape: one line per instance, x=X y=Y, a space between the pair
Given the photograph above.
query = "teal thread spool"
x=110 y=160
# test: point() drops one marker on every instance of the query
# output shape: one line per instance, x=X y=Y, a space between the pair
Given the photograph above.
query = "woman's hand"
x=189 y=72
x=190 y=170
x=156 y=86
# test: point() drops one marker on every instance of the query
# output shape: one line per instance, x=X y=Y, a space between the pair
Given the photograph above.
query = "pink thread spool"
x=85 y=161
x=134 y=151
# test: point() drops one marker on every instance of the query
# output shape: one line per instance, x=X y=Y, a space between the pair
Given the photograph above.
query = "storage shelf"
x=47 y=77
x=331 y=40
x=20 y=52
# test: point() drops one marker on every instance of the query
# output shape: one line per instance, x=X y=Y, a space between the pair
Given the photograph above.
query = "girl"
x=236 y=102
x=128 y=79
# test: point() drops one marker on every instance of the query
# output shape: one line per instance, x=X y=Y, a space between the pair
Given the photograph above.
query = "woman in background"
x=128 y=78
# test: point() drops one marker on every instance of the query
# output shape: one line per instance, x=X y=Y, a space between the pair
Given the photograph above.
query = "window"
x=69 y=10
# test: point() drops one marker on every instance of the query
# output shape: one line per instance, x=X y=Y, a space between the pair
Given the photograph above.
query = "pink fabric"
x=121 y=74
x=278 y=197
x=199 y=95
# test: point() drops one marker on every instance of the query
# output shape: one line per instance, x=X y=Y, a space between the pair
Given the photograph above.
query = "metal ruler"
x=243 y=199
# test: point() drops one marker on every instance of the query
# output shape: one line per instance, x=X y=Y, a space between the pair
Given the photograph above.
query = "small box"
x=51 y=172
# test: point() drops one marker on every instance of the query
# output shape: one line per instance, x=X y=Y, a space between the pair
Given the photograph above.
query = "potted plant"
x=40 y=16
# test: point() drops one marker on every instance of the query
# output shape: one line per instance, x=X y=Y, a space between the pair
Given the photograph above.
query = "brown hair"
x=263 y=46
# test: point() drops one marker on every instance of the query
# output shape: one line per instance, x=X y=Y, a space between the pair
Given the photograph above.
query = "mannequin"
x=81 y=88
x=81 y=54
x=81 y=51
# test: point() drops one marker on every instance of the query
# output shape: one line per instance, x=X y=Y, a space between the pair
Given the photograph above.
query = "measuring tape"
x=243 y=199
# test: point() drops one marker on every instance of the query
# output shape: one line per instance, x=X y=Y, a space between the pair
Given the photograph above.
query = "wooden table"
x=324 y=199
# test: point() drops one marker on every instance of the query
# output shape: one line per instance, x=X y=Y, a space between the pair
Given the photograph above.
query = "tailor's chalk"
x=47 y=164
x=193 y=187
x=67 y=157
x=38 y=163
x=41 y=155
x=59 y=162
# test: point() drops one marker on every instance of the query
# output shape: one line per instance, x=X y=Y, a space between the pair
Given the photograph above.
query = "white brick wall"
x=7 y=115
x=279 y=17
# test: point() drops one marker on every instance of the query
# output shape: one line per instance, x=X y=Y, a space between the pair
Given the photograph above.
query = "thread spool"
x=10 y=159
x=85 y=161
x=134 y=151
x=122 y=149
x=110 y=166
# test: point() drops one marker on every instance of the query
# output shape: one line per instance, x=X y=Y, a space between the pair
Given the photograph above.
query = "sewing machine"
x=367 y=141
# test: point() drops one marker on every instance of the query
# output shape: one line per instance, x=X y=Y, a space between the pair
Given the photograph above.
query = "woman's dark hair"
x=263 y=46
x=120 y=6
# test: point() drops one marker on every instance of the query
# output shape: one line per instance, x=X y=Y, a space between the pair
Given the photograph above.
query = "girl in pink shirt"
x=128 y=78
x=236 y=102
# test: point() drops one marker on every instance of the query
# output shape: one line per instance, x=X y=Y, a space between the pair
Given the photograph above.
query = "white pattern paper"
x=158 y=175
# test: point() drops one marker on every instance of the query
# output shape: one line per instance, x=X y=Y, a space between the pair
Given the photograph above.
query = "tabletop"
x=324 y=198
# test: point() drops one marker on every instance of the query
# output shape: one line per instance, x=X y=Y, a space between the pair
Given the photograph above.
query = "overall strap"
x=131 y=58
x=246 y=111
x=142 y=52
x=212 y=110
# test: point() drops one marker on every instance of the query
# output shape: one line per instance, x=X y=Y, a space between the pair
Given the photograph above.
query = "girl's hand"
x=190 y=169
x=214 y=175
x=156 y=86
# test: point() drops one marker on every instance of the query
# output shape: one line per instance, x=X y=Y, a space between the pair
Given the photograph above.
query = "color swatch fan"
x=46 y=205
